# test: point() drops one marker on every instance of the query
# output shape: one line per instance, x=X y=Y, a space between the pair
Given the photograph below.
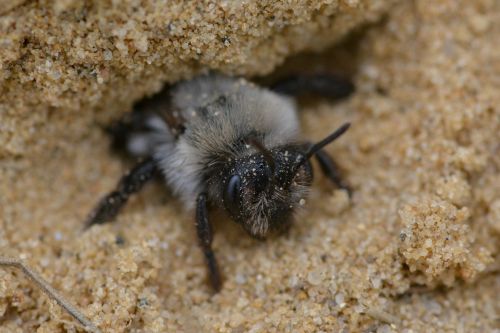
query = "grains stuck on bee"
x=224 y=142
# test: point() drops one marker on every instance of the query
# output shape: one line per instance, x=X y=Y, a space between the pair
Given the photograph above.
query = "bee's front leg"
x=330 y=170
x=205 y=236
x=109 y=206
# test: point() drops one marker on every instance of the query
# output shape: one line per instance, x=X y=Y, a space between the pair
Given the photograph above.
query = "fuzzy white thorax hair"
x=218 y=111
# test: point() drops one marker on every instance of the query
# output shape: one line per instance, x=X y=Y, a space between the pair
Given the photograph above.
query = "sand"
x=416 y=249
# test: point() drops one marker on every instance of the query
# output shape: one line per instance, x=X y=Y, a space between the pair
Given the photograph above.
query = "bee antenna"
x=268 y=157
x=313 y=149
x=330 y=138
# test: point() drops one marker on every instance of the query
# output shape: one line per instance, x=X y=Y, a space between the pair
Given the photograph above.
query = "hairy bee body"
x=228 y=143
x=201 y=124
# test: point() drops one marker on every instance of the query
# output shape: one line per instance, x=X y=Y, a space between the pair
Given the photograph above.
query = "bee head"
x=262 y=190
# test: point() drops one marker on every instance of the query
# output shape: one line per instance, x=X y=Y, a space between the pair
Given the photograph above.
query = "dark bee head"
x=261 y=191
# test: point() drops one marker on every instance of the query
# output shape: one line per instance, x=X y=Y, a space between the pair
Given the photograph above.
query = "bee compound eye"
x=232 y=194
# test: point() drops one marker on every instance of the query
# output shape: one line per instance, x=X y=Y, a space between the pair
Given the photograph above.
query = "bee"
x=225 y=142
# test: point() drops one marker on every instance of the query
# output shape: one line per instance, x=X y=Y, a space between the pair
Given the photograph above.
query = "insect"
x=225 y=142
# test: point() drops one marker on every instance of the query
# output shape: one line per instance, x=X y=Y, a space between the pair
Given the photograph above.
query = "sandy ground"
x=416 y=249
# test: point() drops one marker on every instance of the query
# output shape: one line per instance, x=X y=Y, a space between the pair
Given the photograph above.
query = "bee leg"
x=326 y=85
x=109 y=206
x=204 y=233
x=330 y=169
